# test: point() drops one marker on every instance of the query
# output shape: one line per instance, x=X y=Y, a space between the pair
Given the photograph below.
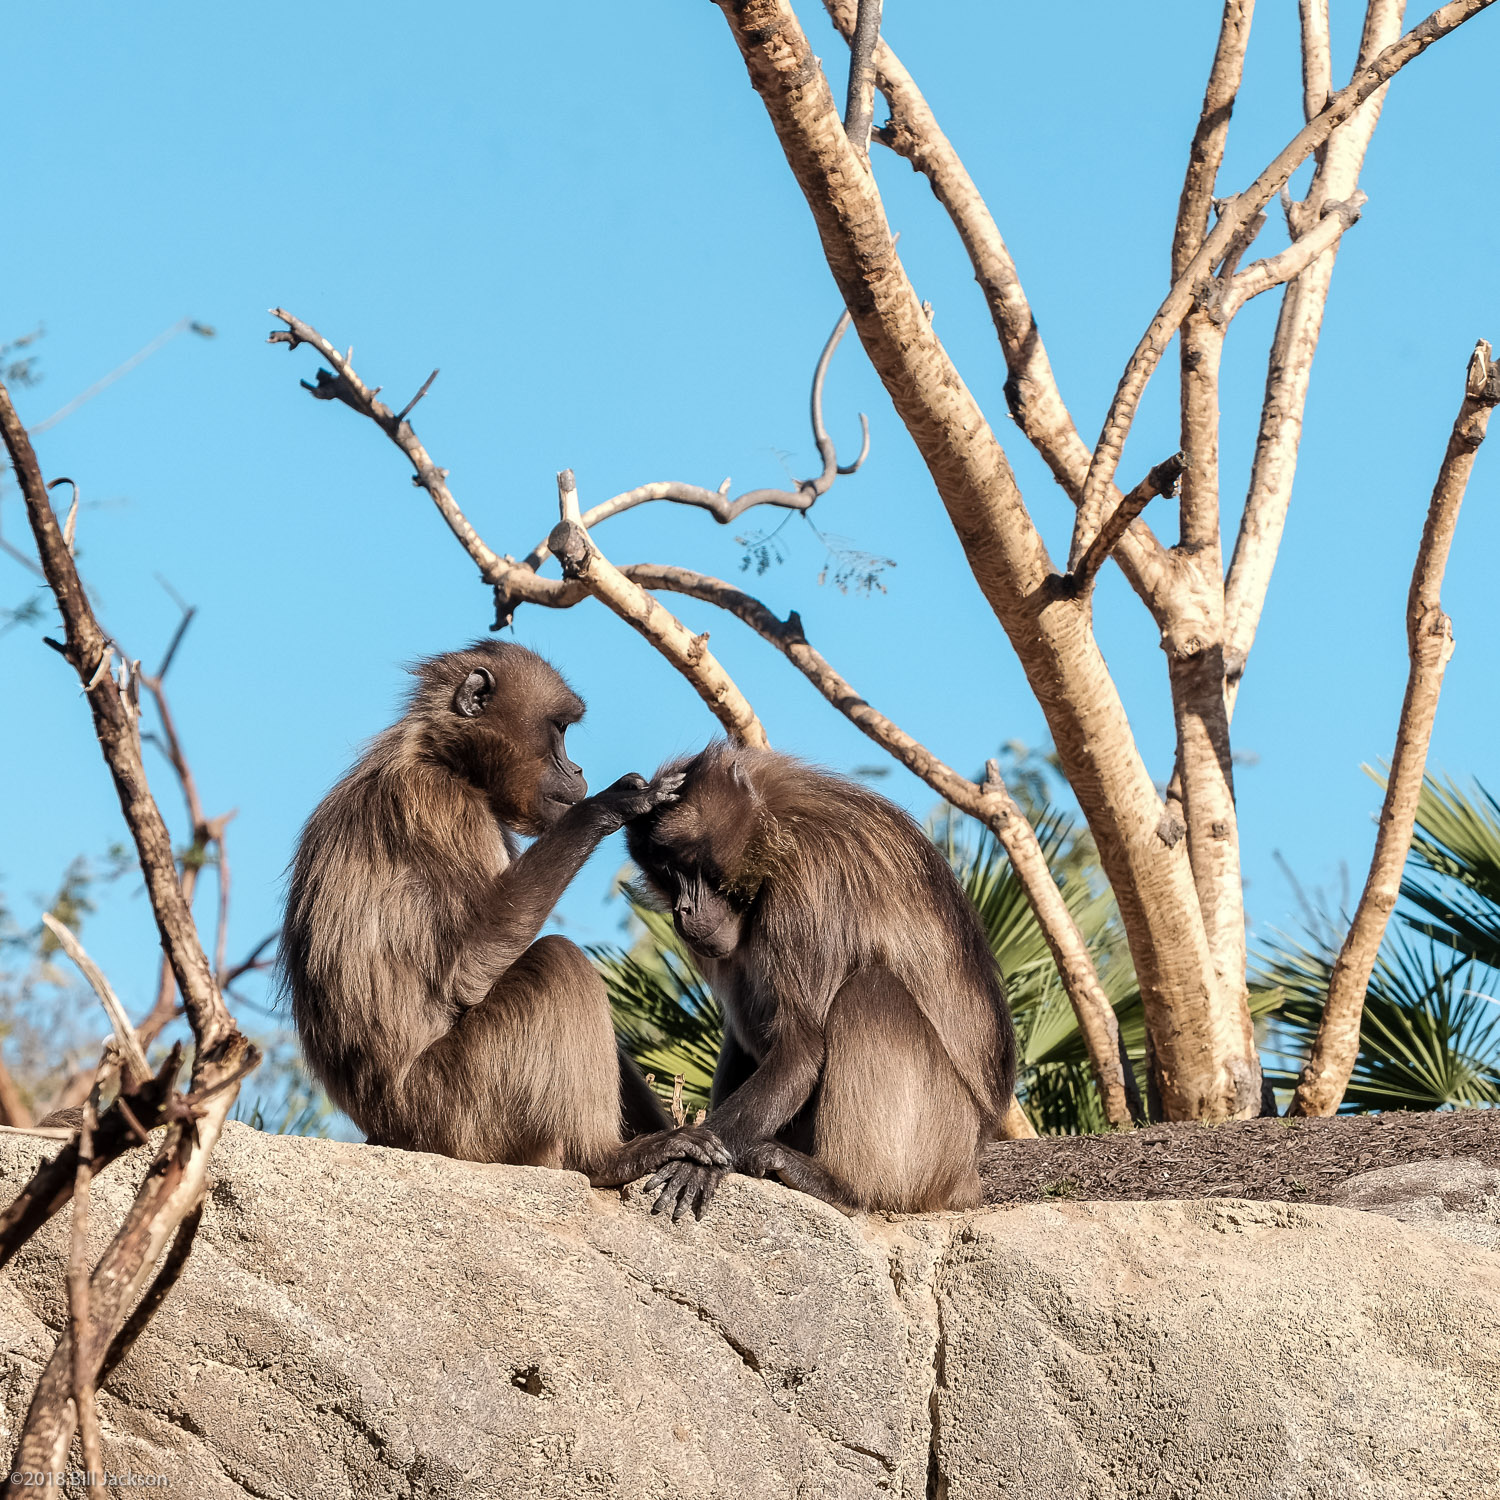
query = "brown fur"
x=427 y=1005
x=866 y=1018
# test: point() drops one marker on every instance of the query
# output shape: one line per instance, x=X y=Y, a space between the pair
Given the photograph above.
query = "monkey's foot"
x=683 y=1185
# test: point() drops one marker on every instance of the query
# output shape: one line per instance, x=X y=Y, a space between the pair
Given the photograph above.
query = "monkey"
x=868 y=1052
x=427 y=1004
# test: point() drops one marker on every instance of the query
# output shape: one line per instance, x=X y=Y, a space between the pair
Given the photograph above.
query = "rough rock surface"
x=1458 y=1198
x=360 y=1322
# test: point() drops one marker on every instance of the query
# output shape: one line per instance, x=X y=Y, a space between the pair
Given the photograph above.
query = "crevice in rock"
x=937 y=1480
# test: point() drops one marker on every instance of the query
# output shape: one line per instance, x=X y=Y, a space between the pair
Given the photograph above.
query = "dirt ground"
x=1301 y=1161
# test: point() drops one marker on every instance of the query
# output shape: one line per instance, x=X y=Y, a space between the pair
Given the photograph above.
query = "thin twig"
x=1429 y=634
x=138 y=1069
x=718 y=503
x=1162 y=480
x=411 y=405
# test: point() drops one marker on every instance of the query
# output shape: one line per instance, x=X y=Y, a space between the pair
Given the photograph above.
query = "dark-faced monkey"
x=427 y=1005
x=868 y=1053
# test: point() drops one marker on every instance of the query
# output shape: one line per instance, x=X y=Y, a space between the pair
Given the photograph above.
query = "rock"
x=1457 y=1198
x=361 y=1322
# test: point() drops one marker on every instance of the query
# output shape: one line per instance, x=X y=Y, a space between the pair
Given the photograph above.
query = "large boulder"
x=362 y=1322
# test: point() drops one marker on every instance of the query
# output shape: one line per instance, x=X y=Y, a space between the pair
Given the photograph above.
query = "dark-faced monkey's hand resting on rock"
x=869 y=1053
x=427 y=1005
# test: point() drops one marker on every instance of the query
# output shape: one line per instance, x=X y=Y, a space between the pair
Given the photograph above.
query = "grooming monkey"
x=427 y=1005
x=868 y=1053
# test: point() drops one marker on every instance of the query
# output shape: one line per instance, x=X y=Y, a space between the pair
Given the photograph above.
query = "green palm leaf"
x=1453 y=876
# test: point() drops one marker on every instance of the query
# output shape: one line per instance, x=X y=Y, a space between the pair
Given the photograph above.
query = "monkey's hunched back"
x=837 y=848
x=383 y=894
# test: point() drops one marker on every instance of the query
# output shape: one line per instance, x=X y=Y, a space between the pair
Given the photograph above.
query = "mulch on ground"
x=1301 y=1161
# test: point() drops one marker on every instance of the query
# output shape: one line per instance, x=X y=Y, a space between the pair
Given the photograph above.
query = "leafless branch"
x=411 y=405
x=1317 y=57
x=137 y=1069
x=1207 y=151
x=1162 y=480
x=512 y=580
x=718 y=503
x=1031 y=390
x=582 y=562
x=1277 y=270
x=1236 y=213
x=343 y=384
x=1295 y=344
x=1429 y=634
x=79 y=1322
x=175 y=1185
x=860 y=109
x=183 y=325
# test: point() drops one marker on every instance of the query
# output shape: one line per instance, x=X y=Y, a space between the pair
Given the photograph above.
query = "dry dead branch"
x=1429 y=636
x=176 y=1180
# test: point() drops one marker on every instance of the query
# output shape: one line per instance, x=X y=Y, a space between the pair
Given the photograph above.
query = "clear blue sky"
x=589 y=227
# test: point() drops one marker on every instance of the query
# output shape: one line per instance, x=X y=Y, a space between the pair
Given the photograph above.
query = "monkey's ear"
x=474 y=693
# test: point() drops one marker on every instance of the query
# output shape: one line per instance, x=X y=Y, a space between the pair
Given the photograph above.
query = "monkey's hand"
x=633 y=797
x=681 y=1186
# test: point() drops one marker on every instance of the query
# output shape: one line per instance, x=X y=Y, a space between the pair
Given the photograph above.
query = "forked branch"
x=583 y=563
x=1237 y=212
x=718 y=503
x=1429 y=634
x=1031 y=390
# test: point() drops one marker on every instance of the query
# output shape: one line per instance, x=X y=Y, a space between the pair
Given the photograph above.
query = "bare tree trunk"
x=1205 y=1070
x=1429 y=635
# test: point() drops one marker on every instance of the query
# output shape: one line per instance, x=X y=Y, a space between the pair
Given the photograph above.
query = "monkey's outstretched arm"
x=524 y=894
x=774 y=1092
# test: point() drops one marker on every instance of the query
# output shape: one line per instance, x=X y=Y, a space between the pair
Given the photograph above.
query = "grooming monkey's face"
x=504 y=727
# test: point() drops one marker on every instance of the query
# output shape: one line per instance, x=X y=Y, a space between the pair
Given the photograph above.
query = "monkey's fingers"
x=698 y=1143
x=673 y=1183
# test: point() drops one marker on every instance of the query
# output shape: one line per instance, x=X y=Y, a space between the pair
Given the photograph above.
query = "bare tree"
x=109 y=1305
x=1173 y=861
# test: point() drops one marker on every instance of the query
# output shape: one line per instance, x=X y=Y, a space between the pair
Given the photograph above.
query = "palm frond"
x=1453 y=876
x=1429 y=1038
x=665 y=1015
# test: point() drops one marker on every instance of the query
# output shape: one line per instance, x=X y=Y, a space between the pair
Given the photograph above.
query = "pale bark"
x=1195 y=670
x=1204 y=1069
x=584 y=563
x=1031 y=390
x=1237 y=212
x=1429 y=636
x=1289 y=370
x=1014 y=1126
x=1206 y=153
